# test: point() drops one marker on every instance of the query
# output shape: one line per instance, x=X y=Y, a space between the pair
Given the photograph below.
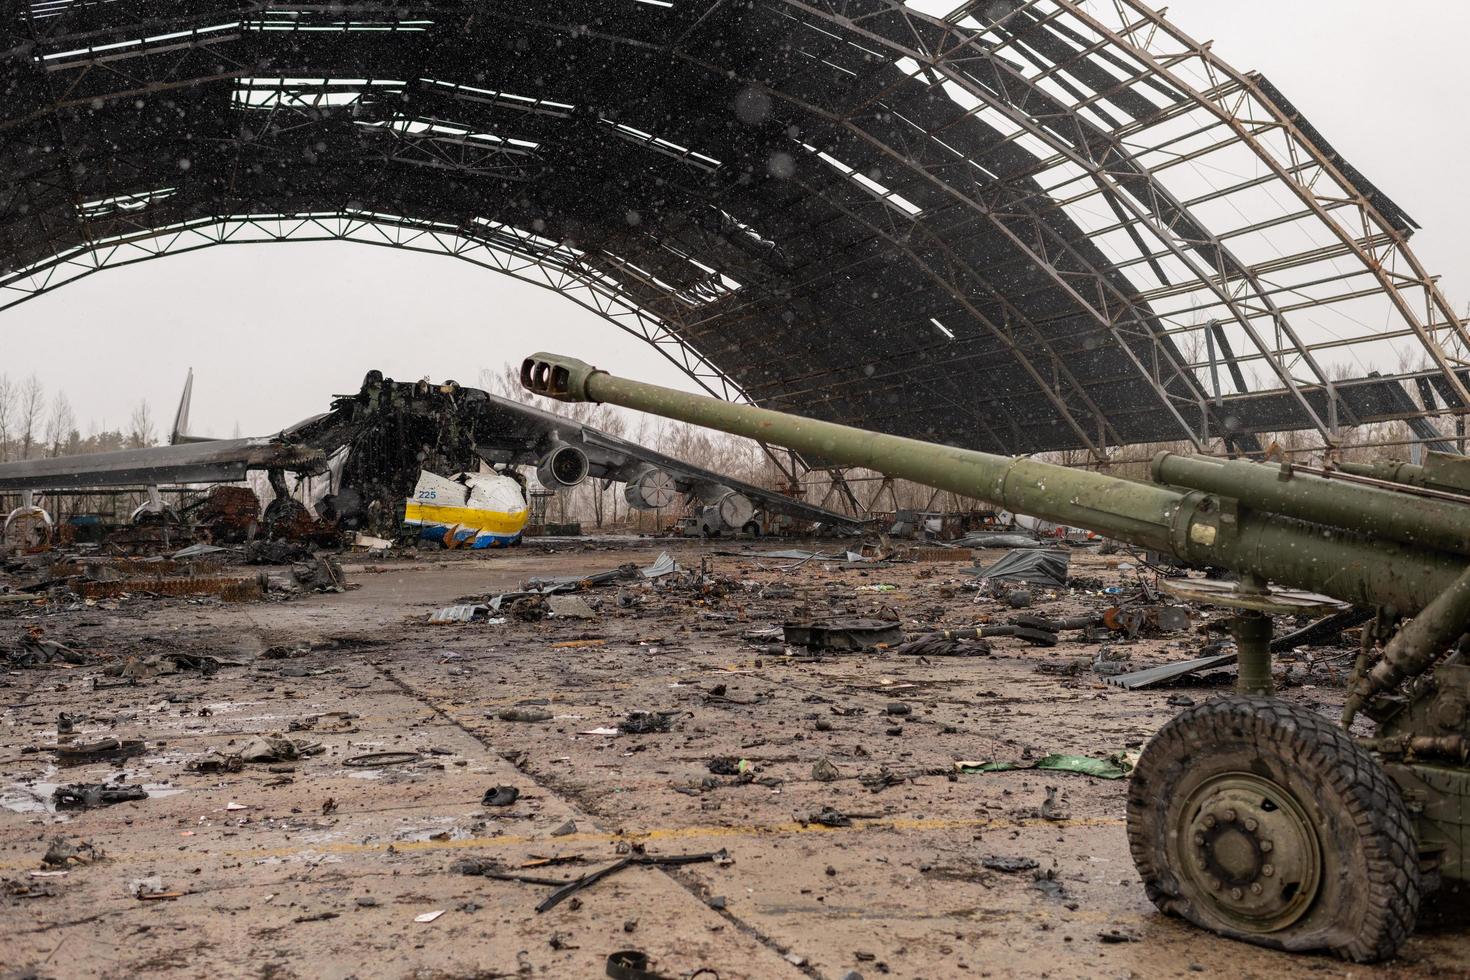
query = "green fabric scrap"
x=1115 y=766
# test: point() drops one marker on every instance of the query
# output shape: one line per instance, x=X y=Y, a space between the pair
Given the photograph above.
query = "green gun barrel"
x=1333 y=557
x=1440 y=472
x=1378 y=512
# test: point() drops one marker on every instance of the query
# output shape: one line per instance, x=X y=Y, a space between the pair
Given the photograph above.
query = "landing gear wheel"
x=1266 y=822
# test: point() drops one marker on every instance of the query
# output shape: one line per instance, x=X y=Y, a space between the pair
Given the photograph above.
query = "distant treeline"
x=34 y=424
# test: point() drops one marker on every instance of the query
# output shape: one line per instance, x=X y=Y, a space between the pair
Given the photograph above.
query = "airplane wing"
x=517 y=433
x=564 y=451
x=213 y=461
x=186 y=459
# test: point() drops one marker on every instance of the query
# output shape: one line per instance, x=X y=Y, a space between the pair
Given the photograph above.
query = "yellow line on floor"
x=656 y=834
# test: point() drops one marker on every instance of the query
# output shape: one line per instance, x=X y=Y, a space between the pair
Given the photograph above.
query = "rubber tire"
x=1369 y=884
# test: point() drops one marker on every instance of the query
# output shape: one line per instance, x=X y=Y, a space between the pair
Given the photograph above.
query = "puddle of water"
x=28 y=797
x=35 y=797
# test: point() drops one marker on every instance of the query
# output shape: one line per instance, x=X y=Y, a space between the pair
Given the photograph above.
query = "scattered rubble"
x=693 y=685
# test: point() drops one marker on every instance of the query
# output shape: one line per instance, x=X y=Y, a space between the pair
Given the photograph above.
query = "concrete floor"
x=321 y=869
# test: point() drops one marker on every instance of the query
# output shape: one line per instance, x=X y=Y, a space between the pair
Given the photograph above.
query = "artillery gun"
x=1248 y=816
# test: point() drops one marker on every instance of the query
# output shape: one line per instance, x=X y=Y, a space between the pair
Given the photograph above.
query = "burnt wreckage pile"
x=376 y=448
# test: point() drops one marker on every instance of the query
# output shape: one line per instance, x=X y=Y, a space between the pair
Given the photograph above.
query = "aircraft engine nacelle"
x=651 y=489
x=563 y=467
x=731 y=511
x=735 y=510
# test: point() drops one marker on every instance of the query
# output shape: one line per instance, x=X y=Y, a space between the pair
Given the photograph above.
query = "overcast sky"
x=272 y=331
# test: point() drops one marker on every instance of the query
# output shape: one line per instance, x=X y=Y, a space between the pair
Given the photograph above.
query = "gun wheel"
x=1265 y=822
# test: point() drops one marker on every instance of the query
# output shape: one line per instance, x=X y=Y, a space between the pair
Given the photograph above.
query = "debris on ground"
x=1009 y=865
x=529 y=715
x=277 y=748
x=61 y=853
x=566 y=888
x=1169 y=673
x=500 y=796
x=322 y=573
x=824 y=771
x=941 y=645
x=102 y=750
x=81 y=796
x=1045 y=568
x=679 y=711
x=648 y=722
x=34 y=650
x=843 y=634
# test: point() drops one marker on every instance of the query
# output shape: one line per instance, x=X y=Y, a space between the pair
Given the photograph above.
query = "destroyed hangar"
x=1012 y=227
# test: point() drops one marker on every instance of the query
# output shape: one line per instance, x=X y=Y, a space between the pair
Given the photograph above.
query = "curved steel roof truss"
x=1020 y=225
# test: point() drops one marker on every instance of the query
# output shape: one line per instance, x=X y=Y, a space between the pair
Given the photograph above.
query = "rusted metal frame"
x=152 y=88
x=1149 y=210
x=838 y=486
x=1221 y=236
x=626 y=272
x=1156 y=196
x=1052 y=70
x=1295 y=288
x=1236 y=188
x=1100 y=281
x=797 y=466
x=1062 y=378
x=821 y=383
x=1305 y=303
x=1127 y=133
x=1366 y=207
x=1044 y=234
x=1325 y=345
x=1114 y=325
x=649 y=329
x=433 y=148
x=1282 y=263
x=954 y=262
x=1110 y=323
x=81 y=225
x=893 y=236
x=173 y=72
x=1215 y=195
x=709 y=12
x=143 y=27
x=108 y=58
x=895 y=239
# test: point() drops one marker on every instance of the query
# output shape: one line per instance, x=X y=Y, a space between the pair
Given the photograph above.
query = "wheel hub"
x=1250 y=851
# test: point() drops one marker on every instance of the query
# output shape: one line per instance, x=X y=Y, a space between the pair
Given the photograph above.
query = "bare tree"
x=7 y=414
x=32 y=406
x=60 y=424
x=140 y=426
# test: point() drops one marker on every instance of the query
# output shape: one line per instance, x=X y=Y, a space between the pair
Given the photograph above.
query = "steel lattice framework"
x=1018 y=225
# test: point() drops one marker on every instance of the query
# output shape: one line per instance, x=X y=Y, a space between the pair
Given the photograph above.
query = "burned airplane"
x=404 y=460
